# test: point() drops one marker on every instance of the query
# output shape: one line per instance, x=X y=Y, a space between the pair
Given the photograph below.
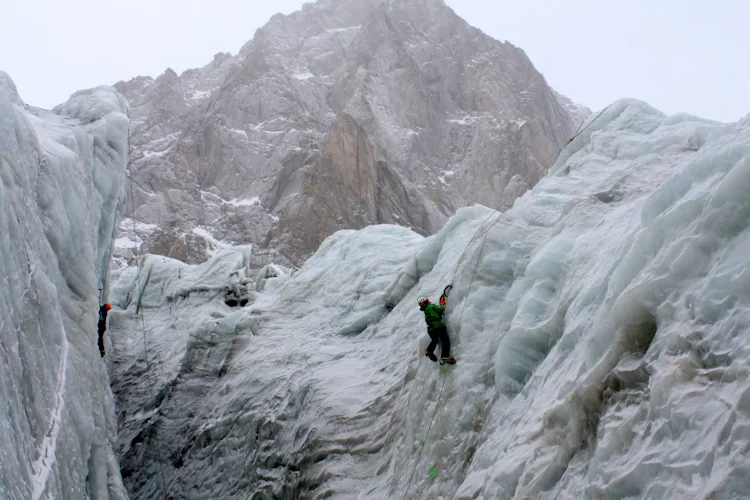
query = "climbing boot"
x=447 y=361
x=430 y=355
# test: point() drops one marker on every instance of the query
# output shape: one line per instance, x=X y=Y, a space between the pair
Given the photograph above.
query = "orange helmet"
x=108 y=307
x=423 y=301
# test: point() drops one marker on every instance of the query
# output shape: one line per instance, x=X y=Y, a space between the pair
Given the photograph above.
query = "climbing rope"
x=547 y=164
x=580 y=131
x=106 y=266
x=103 y=286
x=422 y=443
x=476 y=266
x=479 y=229
x=445 y=372
x=575 y=134
x=143 y=319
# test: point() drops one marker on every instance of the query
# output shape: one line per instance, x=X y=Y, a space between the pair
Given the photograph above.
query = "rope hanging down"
x=138 y=309
x=103 y=285
x=479 y=229
x=444 y=370
x=107 y=261
x=422 y=443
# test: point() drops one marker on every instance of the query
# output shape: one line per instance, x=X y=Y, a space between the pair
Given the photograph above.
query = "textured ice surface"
x=602 y=344
x=60 y=187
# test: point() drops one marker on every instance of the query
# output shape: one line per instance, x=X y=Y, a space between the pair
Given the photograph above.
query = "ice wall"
x=60 y=188
x=600 y=329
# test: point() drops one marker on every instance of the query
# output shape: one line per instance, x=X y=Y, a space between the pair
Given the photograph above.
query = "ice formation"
x=60 y=190
x=600 y=328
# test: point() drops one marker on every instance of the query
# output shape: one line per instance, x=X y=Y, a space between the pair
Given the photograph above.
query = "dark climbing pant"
x=102 y=328
x=439 y=334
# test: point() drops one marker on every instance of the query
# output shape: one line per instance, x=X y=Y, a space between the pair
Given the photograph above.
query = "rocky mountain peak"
x=340 y=115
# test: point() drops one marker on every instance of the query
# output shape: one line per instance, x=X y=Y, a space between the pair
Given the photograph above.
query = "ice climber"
x=433 y=315
x=103 y=310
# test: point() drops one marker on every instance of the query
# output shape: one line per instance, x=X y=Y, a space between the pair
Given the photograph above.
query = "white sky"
x=678 y=55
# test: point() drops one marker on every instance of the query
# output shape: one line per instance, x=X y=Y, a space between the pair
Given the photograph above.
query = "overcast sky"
x=678 y=55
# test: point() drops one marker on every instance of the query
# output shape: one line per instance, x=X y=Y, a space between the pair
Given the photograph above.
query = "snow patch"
x=344 y=30
x=142 y=227
x=157 y=154
x=235 y=202
x=239 y=132
x=255 y=200
x=126 y=243
x=200 y=94
x=215 y=244
x=448 y=173
x=466 y=120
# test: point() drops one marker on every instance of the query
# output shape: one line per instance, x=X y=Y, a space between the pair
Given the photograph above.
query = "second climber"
x=103 y=310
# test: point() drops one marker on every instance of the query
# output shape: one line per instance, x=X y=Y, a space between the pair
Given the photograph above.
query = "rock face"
x=344 y=114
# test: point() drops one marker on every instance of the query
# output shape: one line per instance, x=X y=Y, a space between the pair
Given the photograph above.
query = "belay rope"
x=553 y=158
x=139 y=308
x=446 y=291
x=106 y=264
x=423 y=441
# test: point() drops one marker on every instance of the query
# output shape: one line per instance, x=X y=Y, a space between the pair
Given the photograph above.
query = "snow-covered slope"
x=600 y=327
x=60 y=187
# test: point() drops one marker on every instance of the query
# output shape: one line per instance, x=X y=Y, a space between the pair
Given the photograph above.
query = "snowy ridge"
x=601 y=343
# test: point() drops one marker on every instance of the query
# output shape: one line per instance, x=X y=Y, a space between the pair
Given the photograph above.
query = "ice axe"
x=446 y=293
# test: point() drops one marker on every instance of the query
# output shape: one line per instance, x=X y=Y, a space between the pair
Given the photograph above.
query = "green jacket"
x=433 y=313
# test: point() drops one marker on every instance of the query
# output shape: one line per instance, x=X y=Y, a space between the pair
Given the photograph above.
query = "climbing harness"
x=143 y=319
